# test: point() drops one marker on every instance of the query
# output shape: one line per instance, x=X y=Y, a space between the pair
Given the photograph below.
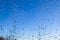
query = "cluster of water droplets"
x=43 y=30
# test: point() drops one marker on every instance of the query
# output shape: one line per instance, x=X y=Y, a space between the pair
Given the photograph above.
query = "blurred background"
x=30 y=19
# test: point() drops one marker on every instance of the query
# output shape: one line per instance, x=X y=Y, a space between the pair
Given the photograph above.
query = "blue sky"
x=29 y=15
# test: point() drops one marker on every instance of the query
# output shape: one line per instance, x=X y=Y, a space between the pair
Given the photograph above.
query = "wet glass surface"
x=29 y=19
